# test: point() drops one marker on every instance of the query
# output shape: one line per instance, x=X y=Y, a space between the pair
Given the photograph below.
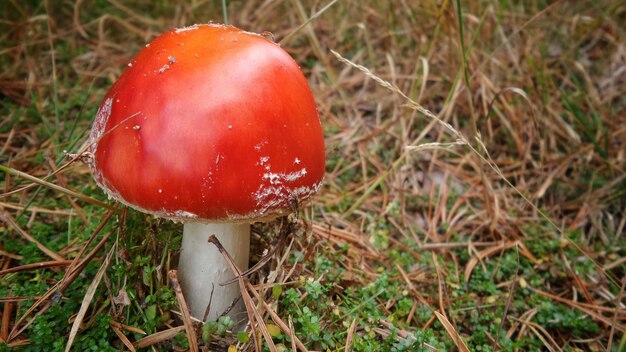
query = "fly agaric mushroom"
x=214 y=127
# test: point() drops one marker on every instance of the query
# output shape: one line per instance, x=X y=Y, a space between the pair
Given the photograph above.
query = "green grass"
x=395 y=240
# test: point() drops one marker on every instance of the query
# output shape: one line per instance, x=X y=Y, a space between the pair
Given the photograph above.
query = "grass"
x=474 y=196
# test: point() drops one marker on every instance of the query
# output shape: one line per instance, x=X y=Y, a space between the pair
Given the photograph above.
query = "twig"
x=6 y=318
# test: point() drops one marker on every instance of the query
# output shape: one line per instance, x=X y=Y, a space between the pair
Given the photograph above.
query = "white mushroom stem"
x=202 y=268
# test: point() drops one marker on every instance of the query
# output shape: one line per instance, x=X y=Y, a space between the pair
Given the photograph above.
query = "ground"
x=473 y=200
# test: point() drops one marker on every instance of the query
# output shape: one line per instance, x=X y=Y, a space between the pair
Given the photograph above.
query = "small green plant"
x=217 y=328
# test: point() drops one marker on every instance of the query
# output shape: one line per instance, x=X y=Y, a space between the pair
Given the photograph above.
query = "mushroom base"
x=202 y=268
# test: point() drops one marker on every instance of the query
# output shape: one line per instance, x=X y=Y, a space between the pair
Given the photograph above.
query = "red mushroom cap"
x=209 y=123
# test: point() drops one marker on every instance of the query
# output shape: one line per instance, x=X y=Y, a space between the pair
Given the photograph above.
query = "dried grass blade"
x=187 y=323
x=19 y=343
x=52 y=186
x=253 y=313
x=56 y=289
x=91 y=291
x=251 y=309
x=539 y=335
x=8 y=219
x=34 y=266
x=76 y=270
x=16 y=331
x=88 y=242
x=480 y=151
x=281 y=324
x=73 y=157
x=123 y=338
x=280 y=243
x=480 y=256
x=292 y=335
x=127 y=327
x=11 y=255
x=350 y=335
x=18 y=298
x=526 y=253
x=544 y=336
x=508 y=304
x=454 y=335
x=410 y=102
x=607 y=321
x=314 y=41
x=617 y=301
x=309 y=20
x=34 y=209
x=158 y=337
x=433 y=146
x=413 y=289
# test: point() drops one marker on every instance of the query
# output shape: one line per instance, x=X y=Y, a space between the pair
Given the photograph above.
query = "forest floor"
x=474 y=198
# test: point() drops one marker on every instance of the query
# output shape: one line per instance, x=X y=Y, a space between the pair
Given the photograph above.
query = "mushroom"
x=214 y=127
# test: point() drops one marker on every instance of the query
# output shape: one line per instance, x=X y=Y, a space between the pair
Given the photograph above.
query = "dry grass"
x=457 y=136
